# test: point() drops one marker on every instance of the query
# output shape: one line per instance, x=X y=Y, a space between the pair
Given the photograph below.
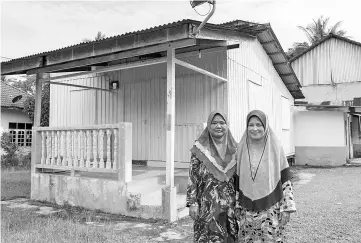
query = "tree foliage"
x=7 y=144
x=99 y=36
x=314 y=32
x=28 y=85
x=29 y=106
x=297 y=48
x=319 y=29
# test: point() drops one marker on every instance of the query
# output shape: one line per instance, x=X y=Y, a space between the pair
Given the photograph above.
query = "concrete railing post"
x=124 y=160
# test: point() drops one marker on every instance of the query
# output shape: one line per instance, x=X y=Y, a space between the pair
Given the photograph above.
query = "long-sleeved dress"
x=263 y=226
x=216 y=221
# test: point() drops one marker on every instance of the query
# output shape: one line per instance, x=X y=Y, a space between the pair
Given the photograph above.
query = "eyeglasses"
x=222 y=123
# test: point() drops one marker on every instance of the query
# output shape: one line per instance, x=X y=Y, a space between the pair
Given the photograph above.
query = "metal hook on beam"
x=194 y=4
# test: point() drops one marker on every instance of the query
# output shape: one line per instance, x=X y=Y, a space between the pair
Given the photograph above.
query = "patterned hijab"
x=264 y=189
x=221 y=164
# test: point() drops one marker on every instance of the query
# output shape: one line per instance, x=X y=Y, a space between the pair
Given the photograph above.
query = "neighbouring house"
x=13 y=119
x=144 y=97
x=327 y=124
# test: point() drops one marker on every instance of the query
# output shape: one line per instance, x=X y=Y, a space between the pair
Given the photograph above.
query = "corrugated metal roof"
x=273 y=48
x=263 y=32
x=323 y=40
x=113 y=37
x=9 y=92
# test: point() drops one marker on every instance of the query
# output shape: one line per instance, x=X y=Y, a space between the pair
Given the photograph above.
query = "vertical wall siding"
x=334 y=57
x=251 y=63
x=141 y=100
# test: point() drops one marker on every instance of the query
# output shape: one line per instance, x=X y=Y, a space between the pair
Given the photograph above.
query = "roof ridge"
x=322 y=40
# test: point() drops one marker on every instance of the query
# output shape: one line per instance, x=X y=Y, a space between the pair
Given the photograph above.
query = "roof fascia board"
x=223 y=34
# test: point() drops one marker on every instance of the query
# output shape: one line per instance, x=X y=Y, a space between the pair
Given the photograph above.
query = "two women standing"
x=256 y=170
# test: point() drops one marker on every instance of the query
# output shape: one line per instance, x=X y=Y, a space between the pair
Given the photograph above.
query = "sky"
x=31 y=27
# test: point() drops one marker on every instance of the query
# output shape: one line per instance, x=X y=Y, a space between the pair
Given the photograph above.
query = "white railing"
x=100 y=148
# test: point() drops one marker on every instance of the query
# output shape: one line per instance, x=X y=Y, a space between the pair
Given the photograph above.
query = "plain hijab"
x=264 y=189
x=219 y=158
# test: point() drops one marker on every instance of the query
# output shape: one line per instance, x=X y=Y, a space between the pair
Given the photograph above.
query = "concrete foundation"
x=321 y=156
x=92 y=193
x=145 y=197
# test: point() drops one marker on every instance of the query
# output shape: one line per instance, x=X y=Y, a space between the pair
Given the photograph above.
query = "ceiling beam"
x=113 y=56
x=110 y=69
x=197 y=69
x=75 y=85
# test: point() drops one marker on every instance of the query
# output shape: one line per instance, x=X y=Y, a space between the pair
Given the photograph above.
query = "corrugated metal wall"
x=254 y=83
x=141 y=100
x=334 y=59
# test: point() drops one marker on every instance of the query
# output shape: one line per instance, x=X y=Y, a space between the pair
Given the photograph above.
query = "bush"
x=8 y=161
x=7 y=145
x=13 y=157
x=25 y=161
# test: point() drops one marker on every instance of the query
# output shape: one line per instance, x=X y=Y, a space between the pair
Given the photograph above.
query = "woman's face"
x=255 y=128
x=218 y=126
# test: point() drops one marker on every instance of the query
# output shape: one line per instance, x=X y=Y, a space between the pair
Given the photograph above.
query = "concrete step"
x=182 y=210
x=180 y=181
x=181 y=200
x=152 y=197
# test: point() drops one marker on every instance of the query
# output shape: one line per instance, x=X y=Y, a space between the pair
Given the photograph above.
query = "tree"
x=319 y=29
x=297 y=48
x=27 y=84
x=99 y=36
x=29 y=106
x=315 y=31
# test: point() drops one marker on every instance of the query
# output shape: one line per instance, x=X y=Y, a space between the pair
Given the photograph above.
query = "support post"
x=36 y=138
x=169 y=193
x=124 y=152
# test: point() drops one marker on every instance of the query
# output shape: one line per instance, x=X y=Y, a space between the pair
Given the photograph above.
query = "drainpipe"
x=195 y=32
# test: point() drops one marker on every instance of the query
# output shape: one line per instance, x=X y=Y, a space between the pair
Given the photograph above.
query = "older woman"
x=265 y=198
x=211 y=192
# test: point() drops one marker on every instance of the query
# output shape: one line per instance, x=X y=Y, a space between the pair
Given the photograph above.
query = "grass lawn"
x=15 y=184
x=25 y=226
x=328 y=210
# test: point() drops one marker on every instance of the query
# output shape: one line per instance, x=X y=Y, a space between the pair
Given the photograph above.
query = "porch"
x=91 y=166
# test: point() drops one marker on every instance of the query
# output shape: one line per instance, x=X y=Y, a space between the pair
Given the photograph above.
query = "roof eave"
x=284 y=64
x=98 y=48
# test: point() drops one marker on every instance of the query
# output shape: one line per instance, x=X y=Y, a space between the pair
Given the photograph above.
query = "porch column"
x=36 y=139
x=38 y=93
x=169 y=193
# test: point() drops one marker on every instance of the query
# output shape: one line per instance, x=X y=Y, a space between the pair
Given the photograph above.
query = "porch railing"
x=99 y=148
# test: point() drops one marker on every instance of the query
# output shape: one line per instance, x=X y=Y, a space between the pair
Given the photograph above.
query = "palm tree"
x=319 y=29
x=99 y=36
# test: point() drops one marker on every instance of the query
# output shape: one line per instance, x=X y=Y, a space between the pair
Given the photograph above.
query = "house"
x=328 y=126
x=145 y=96
x=13 y=119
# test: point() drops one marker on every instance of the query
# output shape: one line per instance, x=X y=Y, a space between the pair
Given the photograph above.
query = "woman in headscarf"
x=265 y=197
x=211 y=191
